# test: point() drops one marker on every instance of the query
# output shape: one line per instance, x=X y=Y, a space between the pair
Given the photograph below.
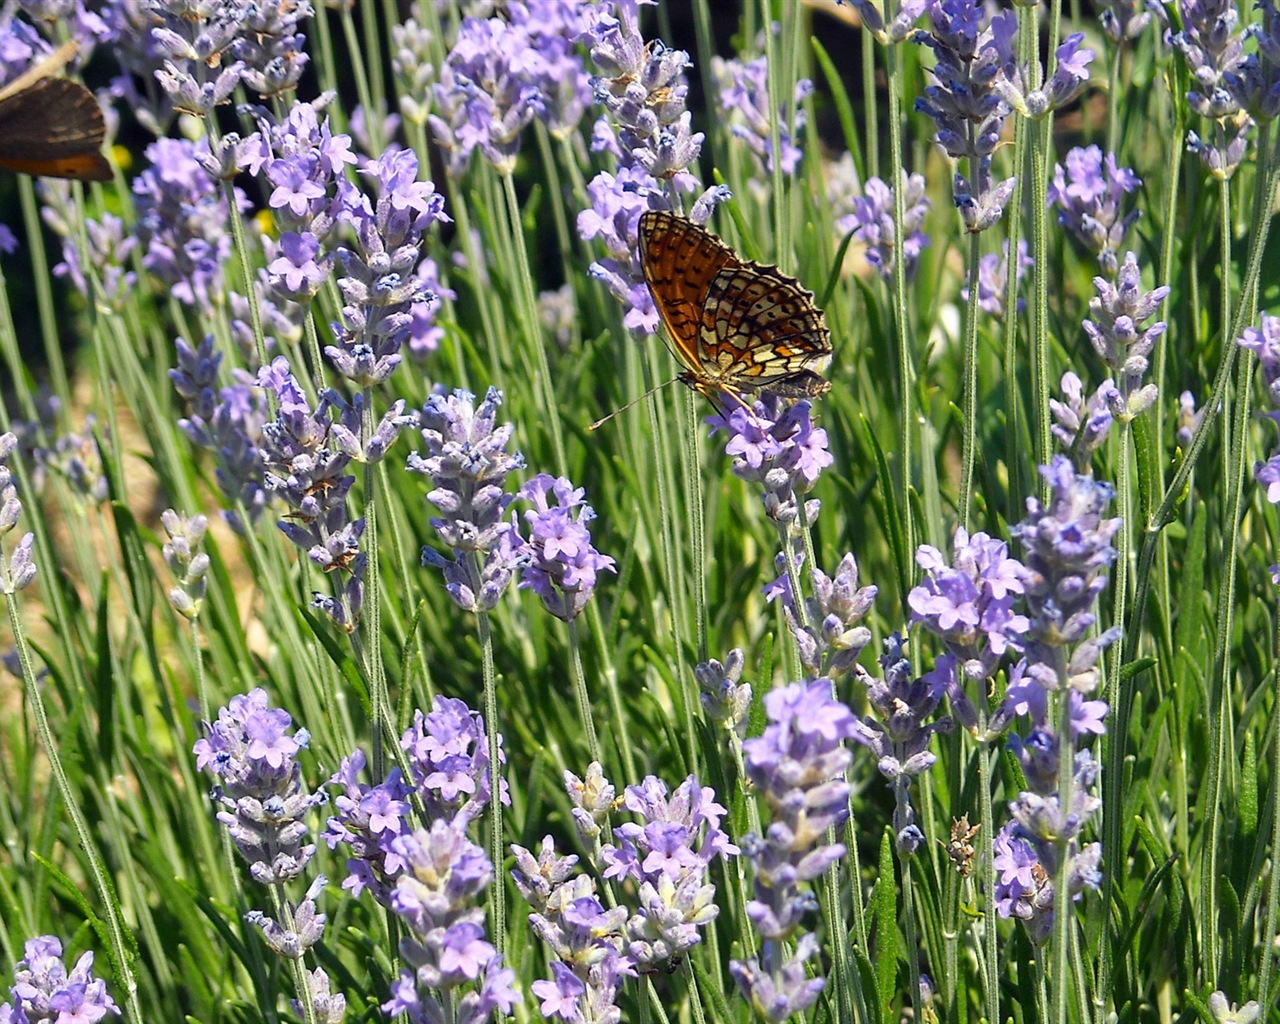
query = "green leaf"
x=844 y=108
x=1150 y=480
x=892 y=517
x=884 y=905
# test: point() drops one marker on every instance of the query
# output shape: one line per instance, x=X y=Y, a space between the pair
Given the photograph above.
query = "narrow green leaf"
x=844 y=108
x=884 y=905
x=892 y=518
x=1150 y=480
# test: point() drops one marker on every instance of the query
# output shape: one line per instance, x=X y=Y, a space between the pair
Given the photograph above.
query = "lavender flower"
x=1119 y=338
x=1225 y=1012
x=562 y=563
x=379 y=283
x=329 y=1007
x=270 y=46
x=592 y=800
x=468 y=464
x=1081 y=425
x=725 y=700
x=193 y=40
x=798 y=767
x=1125 y=19
x=249 y=751
x=897 y=732
x=964 y=104
x=451 y=962
x=413 y=68
x=1264 y=342
x=19 y=571
x=1088 y=194
x=667 y=854
x=827 y=629
x=45 y=991
x=993 y=279
x=1070 y=72
x=586 y=939
x=902 y=27
x=228 y=422
x=185 y=560
x=425 y=334
x=487 y=94
x=744 y=97
x=969 y=603
x=109 y=248
x=1189 y=418
x=871 y=221
x=448 y=756
x=182 y=221
x=559 y=74
x=1213 y=48
x=777 y=446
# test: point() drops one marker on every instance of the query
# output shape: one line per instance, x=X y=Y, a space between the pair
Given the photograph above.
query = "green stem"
x=497 y=891
x=580 y=692
x=970 y=443
x=1063 y=917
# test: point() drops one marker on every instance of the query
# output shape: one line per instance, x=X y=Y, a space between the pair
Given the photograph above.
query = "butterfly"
x=739 y=327
x=52 y=126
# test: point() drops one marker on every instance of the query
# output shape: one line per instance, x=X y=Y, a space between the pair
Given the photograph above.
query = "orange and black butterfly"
x=738 y=326
x=52 y=127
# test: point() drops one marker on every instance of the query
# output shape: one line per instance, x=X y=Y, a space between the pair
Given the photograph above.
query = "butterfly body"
x=738 y=326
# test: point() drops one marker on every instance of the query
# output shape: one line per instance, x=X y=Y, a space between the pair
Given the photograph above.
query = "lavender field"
x=389 y=634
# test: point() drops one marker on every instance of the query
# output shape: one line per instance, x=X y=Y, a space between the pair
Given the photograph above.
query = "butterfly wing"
x=54 y=128
x=762 y=332
x=680 y=259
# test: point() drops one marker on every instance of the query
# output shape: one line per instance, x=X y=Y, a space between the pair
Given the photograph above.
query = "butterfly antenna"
x=605 y=419
x=51 y=65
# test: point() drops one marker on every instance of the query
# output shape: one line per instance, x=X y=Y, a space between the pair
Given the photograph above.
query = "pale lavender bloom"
x=592 y=800
x=871 y=220
x=586 y=939
x=193 y=41
x=451 y=962
x=468 y=463
x=1089 y=192
x=425 y=334
x=1025 y=698
x=109 y=250
x=1189 y=418
x=487 y=93
x=295 y=266
x=20 y=570
x=251 y=753
x=1071 y=71
x=724 y=699
x=270 y=46
x=448 y=755
x=1225 y=1012
x=897 y=731
x=1093 y=414
x=185 y=560
x=76 y=459
x=1213 y=46
x=744 y=97
x=44 y=990
x=58 y=18
x=969 y=602
x=554 y=28
x=963 y=103
x=329 y=1007
x=182 y=221
x=379 y=281
x=993 y=279
x=798 y=767
x=563 y=565
x=667 y=854
x=1264 y=342
x=1119 y=311
x=776 y=445
x=830 y=645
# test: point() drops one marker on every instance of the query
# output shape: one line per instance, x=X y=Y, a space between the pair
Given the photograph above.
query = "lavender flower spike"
x=45 y=991
x=562 y=563
x=1118 y=336
x=20 y=570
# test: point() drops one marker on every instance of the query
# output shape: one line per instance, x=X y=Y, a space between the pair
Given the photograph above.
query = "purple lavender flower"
x=667 y=854
x=1088 y=194
x=777 y=446
x=969 y=602
x=76 y=459
x=798 y=767
x=1189 y=418
x=414 y=69
x=993 y=278
x=871 y=220
x=487 y=94
x=270 y=46
x=897 y=733
x=725 y=700
x=963 y=103
x=1264 y=342
x=109 y=249
x=1093 y=414
x=329 y=1007
x=562 y=563
x=182 y=221
x=1070 y=72
x=45 y=991
x=834 y=636
x=254 y=758
x=468 y=464
x=1119 y=338
x=586 y=939
x=451 y=962
x=448 y=757
x=1213 y=46
x=19 y=571
x=379 y=283
x=425 y=334
x=900 y=29
x=193 y=42
x=560 y=74
x=744 y=97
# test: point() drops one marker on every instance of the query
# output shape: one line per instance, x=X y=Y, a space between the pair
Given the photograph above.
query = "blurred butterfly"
x=52 y=127
x=738 y=326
